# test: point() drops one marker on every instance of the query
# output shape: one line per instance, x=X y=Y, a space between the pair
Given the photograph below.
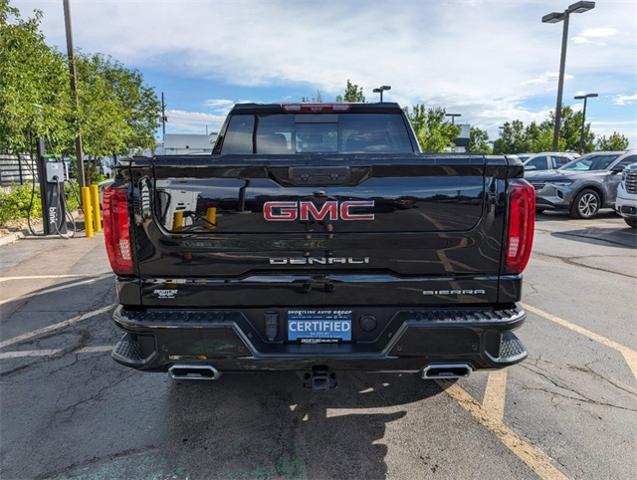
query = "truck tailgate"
x=319 y=231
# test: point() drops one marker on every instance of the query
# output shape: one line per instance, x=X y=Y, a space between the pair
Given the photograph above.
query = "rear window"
x=288 y=134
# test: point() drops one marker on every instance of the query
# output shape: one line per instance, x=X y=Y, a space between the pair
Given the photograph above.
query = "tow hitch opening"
x=319 y=379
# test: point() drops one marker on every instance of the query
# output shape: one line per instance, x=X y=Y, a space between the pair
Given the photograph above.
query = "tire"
x=586 y=204
x=632 y=222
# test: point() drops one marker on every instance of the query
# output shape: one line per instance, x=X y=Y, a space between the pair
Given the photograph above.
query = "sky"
x=489 y=60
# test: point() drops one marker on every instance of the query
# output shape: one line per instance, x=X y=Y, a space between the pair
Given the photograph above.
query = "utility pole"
x=163 y=117
x=556 y=17
x=581 y=135
x=79 y=154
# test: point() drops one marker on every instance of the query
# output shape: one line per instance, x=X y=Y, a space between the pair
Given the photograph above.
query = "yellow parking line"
x=495 y=394
x=535 y=458
x=629 y=354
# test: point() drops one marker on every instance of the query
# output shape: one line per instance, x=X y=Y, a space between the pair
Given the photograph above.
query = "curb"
x=15 y=236
x=11 y=238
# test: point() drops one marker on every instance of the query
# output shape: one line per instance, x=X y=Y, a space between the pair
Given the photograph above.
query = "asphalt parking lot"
x=569 y=411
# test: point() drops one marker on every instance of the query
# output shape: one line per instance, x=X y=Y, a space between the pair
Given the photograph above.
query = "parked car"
x=318 y=238
x=626 y=202
x=582 y=186
x=546 y=160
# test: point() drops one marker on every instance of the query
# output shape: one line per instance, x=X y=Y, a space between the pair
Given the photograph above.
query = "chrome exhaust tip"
x=193 y=372
x=446 y=371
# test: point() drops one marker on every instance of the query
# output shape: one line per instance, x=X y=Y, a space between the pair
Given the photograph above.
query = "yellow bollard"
x=95 y=204
x=88 y=214
x=178 y=221
x=211 y=216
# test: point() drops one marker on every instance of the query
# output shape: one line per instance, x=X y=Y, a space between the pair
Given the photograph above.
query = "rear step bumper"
x=480 y=338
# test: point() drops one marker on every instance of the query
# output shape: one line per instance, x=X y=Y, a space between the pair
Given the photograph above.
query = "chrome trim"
x=193 y=375
x=443 y=366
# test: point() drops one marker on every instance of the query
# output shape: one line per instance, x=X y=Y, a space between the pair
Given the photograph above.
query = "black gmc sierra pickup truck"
x=318 y=238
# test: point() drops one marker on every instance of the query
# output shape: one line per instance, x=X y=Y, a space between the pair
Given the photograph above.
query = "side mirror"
x=530 y=167
x=618 y=168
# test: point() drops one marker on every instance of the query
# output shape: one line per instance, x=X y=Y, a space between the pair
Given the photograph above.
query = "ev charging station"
x=52 y=173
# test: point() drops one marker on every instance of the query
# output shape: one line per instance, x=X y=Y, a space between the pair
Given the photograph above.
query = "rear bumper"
x=626 y=204
x=410 y=340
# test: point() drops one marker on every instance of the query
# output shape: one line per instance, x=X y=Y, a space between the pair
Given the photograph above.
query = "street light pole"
x=453 y=117
x=163 y=117
x=381 y=89
x=581 y=136
x=79 y=154
x=560 y=85
x=555 y=17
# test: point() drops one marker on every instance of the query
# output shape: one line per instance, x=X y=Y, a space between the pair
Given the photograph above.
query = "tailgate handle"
x=319 y=175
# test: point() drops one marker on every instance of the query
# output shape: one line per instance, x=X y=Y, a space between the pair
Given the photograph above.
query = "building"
x=182 y=143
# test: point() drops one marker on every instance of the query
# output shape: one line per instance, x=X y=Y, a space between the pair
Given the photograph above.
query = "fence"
x=16 y=170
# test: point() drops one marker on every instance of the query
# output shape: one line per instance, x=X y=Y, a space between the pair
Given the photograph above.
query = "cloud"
x=193 y=122
x=625 y=99
x=599 y=32
x=595 y=33
x=547 y=78
x=484 y=58
x=219 y=103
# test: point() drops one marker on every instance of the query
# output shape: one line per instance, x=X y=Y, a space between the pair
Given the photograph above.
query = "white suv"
x=626 y=201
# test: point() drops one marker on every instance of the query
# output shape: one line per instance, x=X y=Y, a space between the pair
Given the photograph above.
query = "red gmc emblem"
x=306 y=210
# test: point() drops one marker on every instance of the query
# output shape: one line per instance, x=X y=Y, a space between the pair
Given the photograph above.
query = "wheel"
x=586 y=204
x=632 y=222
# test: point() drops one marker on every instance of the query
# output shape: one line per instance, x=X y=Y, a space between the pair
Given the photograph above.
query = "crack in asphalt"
x=588 y=369
x=95 y=460
x=95 y=396
x=580 y=396
x=572 y=261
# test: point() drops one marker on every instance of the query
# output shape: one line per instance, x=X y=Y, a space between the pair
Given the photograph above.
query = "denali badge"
x=318 y=260
x=469 y=291
x=306 y=210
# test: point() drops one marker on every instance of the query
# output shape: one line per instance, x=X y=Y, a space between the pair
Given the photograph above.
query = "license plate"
x=320 y=326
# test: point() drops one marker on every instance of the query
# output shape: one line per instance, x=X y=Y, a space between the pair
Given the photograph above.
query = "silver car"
x=582 y=186
x=546 y=160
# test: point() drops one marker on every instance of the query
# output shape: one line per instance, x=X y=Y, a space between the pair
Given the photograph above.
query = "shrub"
x=14 y=201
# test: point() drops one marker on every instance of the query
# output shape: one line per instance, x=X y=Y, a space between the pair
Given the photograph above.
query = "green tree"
x=512 y=138
x=353 y=94
x=614 y=142
x=117 y=113
x=478 y=141
x=434 y=133
x=316 y=99
x=570 y=131
x=34 y=99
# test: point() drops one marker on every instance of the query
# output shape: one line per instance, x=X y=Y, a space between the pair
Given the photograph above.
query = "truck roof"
x=385 y=107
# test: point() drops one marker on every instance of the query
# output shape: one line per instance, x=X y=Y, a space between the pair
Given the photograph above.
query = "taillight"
x=315 y=107
x=521 y=226
x=117 y=230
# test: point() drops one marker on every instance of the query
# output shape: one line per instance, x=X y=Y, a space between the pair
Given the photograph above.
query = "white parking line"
x=38 y=277
x=55 y=326
x=51 y=352
x=55 y=289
